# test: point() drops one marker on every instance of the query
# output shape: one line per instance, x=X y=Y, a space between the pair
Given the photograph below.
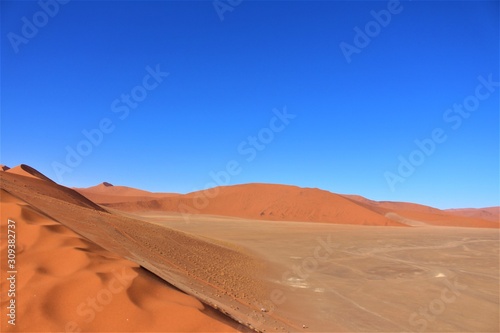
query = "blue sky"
x=352 y=120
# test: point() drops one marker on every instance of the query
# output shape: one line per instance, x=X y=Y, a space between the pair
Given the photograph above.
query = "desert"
x=250 y=166
x=99 y=267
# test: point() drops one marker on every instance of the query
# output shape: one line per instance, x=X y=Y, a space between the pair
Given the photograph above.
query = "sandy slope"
x=60 y=274
x=27 y=171
x=43 y=185
x=222 y=275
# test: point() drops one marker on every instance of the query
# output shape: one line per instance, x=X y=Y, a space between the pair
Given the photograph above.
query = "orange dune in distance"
x=289 y=203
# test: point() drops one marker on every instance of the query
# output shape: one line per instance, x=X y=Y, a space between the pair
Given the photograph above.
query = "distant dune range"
x=290 y=203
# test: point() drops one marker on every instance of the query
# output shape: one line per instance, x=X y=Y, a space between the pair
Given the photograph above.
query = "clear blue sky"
x=354 y=120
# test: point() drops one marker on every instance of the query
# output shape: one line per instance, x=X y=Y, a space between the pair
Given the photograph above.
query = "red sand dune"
x=68 y=283
x=44 y=185
x=418 y=215
x=387 y=206
x=266 y=202
x=224 y=276
x=25 y=170
x=488 y=213
x=291 y=203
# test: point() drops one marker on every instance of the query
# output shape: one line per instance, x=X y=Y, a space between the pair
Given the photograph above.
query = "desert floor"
x=360 y=278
